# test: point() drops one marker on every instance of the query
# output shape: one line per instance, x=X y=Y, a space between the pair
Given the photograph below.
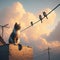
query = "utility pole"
x=4 y=26
x=48 y=53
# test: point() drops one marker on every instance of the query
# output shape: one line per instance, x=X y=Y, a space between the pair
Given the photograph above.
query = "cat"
x=15 y=35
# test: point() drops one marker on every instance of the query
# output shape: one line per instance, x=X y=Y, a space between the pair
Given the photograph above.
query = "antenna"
x=4 y=26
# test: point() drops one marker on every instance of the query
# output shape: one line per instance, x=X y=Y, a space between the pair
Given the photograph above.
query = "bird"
x=31 y=23
x=45 y=15
x=40 y=17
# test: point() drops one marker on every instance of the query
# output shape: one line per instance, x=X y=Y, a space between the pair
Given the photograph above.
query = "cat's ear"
x=15 y=23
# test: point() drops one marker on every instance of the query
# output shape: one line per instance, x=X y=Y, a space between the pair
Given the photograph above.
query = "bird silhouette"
x=31 y=23
x=40 y=17
x=45 y=15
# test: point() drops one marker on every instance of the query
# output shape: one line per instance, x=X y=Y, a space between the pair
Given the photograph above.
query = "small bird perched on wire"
x=32 y=23
x=45 y=15
x=40 y=17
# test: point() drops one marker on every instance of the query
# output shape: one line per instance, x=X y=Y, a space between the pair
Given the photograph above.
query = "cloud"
x=50 y=44
x=10 y=15
x=39 y=29
x=55 y=34
x=16 y=13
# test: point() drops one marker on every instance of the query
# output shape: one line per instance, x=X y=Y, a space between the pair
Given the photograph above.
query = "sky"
x=33 y=5
x=40 y=36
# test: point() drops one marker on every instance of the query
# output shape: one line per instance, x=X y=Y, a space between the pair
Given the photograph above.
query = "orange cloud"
x=25 y=38
x=45 y=44
x=16 y=13
x=11 y=15
x=39 y=29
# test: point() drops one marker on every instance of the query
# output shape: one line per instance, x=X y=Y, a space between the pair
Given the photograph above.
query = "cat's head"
x=17 y=26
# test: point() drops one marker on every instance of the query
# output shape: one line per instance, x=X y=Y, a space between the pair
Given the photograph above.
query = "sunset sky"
x=24 y=11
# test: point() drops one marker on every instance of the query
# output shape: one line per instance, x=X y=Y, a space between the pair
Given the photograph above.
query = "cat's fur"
x=15 y=35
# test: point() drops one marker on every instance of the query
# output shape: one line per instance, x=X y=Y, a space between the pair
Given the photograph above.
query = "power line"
x=48 y=51
x=42 y=18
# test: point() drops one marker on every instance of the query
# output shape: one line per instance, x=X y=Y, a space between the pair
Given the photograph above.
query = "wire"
x=53 y=2
x=42 y=18
x=43 y=51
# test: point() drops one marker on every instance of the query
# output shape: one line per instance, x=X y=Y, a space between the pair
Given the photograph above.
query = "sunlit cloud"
x=17 y=13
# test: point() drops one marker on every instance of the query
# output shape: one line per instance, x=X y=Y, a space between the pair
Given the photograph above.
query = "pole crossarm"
x=4 y=26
